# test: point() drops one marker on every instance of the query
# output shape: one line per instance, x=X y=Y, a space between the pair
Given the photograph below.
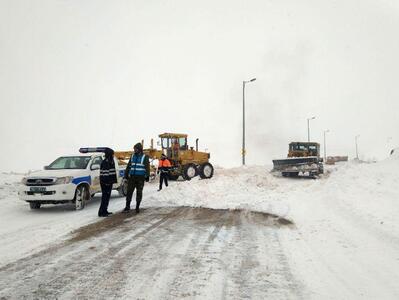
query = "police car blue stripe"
x=81 y=179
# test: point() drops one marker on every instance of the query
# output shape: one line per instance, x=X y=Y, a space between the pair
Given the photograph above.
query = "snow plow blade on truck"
x=303 y=158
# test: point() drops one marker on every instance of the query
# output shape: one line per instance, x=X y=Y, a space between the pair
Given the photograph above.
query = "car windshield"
x=70 y=162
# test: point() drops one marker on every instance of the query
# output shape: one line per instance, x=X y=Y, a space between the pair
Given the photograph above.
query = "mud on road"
x=161 y=253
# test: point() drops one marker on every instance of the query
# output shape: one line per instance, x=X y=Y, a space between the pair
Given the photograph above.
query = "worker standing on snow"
x=137 y=171
x=163 y=168
x=107 y=179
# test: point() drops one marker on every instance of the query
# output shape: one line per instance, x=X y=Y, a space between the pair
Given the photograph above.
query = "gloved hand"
x=147 y=179
x=158 y=171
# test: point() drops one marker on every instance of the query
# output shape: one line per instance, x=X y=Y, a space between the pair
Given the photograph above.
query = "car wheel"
x=122 y=189
x=34 y=205
x=81 y=196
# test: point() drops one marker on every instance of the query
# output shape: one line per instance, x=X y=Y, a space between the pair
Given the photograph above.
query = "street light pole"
x=312 y=118
x=325 y=149
x=388 y=140
x=357 y=153
x=243 y=118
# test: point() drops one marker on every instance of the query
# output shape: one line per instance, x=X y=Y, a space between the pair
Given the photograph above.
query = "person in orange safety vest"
x=163 y=168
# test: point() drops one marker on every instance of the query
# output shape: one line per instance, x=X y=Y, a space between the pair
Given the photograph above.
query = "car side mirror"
x=45 y=167
x=95 y=167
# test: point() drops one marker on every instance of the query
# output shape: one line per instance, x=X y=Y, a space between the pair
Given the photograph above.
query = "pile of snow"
x=370 y=190
x=348 y=232
x=8 y=184
x=251 y=188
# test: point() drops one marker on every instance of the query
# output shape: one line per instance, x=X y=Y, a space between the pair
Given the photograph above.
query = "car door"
x=95 y=174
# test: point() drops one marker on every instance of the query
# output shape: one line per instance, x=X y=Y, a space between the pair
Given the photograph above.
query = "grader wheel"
x=189 y=171
x=206 y=171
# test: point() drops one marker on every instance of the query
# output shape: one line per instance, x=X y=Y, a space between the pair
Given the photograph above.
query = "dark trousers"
x=135 y=183
x=106 y=190
x=162 y=178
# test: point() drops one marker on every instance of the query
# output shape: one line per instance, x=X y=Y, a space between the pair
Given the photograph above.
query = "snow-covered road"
x=344 y=243
x=161 y=253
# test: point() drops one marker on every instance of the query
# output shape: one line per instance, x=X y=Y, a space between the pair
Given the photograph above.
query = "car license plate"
x=37 y=189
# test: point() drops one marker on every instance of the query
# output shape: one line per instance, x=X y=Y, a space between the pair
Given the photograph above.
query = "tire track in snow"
x=74 y=263
x=162 y=253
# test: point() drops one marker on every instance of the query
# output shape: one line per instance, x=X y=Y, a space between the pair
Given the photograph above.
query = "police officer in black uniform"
x=107 y=179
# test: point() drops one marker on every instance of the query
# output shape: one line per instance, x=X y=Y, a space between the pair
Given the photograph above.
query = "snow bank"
x=252 y=188
x=8 y=183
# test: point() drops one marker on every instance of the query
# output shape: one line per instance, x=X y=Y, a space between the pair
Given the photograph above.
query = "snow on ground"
x=23 y=231
x=252 y=188
x=345 y=244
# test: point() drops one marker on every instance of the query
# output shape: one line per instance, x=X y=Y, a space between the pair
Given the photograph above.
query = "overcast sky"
x=110 y=73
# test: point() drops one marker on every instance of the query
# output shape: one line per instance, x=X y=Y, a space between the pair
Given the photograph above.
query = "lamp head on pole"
x=247 y=81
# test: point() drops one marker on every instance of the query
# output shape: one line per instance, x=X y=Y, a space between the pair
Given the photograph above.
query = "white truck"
x=69 y=179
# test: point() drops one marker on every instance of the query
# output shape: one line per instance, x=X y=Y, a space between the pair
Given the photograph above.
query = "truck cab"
x=68 y=179
x=303 y=149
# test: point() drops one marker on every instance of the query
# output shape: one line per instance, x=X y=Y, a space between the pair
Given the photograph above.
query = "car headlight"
x=24 y=180
x=63 y=180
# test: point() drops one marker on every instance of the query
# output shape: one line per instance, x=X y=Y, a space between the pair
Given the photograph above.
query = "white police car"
x=68 y=179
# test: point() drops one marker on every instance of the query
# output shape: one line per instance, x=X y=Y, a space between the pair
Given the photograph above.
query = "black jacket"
x=108 y=172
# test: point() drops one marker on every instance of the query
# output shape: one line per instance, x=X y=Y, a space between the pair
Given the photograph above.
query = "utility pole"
x=312 y=118
x=357 y=153
x=243 y=118
x=325 y=149
x=389 y=148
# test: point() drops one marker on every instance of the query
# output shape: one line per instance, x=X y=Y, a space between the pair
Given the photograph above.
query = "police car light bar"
x=94 y=149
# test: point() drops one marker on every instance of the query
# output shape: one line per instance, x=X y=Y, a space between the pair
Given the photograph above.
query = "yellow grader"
x=186 y=161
